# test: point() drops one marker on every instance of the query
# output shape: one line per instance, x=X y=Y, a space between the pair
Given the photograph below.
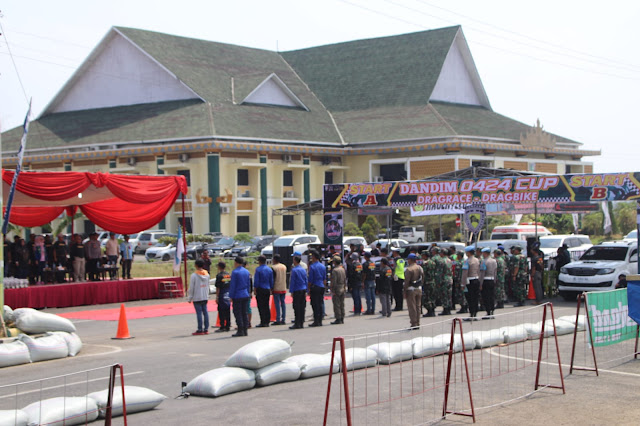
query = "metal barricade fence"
x=16 y=396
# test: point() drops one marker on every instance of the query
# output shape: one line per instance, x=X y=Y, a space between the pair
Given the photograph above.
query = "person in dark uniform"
x=77 y=255
x=60 y=258
x=317 y=285
x=298 y=288
x=223 y=279
x=240 y=293
x=537 y=268
x=354 y=281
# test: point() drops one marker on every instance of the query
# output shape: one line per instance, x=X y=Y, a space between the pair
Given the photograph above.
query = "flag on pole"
x=23 y=143
x=179 y=251
x=607 y=218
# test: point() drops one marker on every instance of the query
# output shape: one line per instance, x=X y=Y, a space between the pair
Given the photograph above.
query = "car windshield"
x=160 y=245
x=504 y=236
x=632 y=234
x=132 y=236
x=283 y=242
x=550 y=242
x=406 y=229
x=226 y=241
x=605 y=253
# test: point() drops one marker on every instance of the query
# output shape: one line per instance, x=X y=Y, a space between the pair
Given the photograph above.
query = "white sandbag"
x=221 y=381
x=62 y=411
x=137 y=398
x=426 y=346
x=357 y=358
x=8 y=315
x=74 y=343
x=44 y=348
x=392 y=352
x=277 y=372
x=514 y=333
x=259 y=354
x=314 y=365
x=533 y=329
x=562 y=327
x=471 y=339
x=489 y=338
x=14 y=353
x=34 y=322
x=13 y=418
x=443 y=341
x=572 y=320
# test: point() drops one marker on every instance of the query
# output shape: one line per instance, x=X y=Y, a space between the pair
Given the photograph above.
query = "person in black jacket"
x=354 y=281
x=223 y=278
x=383 y=286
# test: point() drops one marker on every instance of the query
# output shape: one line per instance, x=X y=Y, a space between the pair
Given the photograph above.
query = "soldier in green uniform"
x=520 y=276
x=457 y=283
x=428 y=290
x=446 y=284
x=511 y=266
x=500 y=274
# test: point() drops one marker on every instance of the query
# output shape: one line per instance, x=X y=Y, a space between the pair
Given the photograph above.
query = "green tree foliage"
x=271 y=231
x=501 y=220
x=592 y=223
x=352 y=230
x=66 y=220
x=243 y=238
x=557 y=223
x=370 y=228
x=625 y=214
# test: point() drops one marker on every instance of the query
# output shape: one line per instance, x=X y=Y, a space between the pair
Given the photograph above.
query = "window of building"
x=393 y=172
x=328 y=178
x=189 y=224
x=287 y=178
x=243 y=177
x=186 y=174
x=243 y=224
x=481 y=163
x=287 y=223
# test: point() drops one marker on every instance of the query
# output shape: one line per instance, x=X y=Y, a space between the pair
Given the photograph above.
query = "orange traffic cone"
x=273 y=310
x=218 y=321
x=532 y=291
x=123 y=328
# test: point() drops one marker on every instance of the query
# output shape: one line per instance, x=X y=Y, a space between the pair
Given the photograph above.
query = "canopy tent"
x=124 y=204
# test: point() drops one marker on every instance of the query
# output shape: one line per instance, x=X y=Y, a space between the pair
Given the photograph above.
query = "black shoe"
x=500 y=305
x=463 y=310
x=397 y=310
x=445 y=312
x=389 y=314
x=519 y=304
x=244 y=332
x=337 y=322
x=430 y=313
x=239 y=333
x=315 y=324
x=275 y=323
x=295 y=327
x=220 y=330
x=262 y=325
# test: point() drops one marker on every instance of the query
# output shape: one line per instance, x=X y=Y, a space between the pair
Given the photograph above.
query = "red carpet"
x=151 y=311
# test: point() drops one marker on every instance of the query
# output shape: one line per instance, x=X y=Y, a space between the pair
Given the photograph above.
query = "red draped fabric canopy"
x=125 y=204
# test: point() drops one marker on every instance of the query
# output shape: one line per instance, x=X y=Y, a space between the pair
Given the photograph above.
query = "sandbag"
x=13 y=418
x=259 y=354
x=62 y=411
x=221 y=381
x=533 y=329
x=314 y=365
x=572 y=319
x=392 y=352
x=470 y=341
x=357 y=358
x=562 y=327
x=8 y=315
x=34 y=322
x=277 y=372
x=426 y=346
x=74 y=344
x=489 y=338
x=14 y=353
x=443 y=341
x=44 y=348
x=514 y=333
x=137 y=398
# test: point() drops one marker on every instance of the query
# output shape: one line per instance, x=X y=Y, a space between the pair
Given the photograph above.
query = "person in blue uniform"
x=263 y=285
x=298 y=289
x=317 y=281
x=240 y=293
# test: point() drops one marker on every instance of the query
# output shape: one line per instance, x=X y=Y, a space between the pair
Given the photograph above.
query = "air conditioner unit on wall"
x=224 y=210
x=289 y=194
x=378 y=178
x=326 y=161
x=183 y=157
x=131 y=161
x=286 y=158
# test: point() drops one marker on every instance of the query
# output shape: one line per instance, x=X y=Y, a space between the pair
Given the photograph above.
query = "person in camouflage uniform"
x=520 y=276
x=500 y=278
x=446 y=284
x=511 y=261
x=457 y=283
x=428 y=288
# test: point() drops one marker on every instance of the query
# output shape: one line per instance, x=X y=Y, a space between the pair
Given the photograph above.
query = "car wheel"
x=569 y=296
x=166 y=257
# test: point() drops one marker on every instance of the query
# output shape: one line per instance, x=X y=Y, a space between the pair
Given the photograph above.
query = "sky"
x=575 y=65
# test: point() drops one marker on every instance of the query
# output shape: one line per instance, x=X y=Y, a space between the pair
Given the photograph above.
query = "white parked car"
x=412 y=234
x=148 y=239
x=598 y=269
x=160 y=252
x=299 y=242
x=577 y=245
x=393 y=242
x=347 y=241
x=519 y=231
x=632 y=236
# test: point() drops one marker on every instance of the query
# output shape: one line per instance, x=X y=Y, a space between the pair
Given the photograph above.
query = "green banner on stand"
x=609 y=317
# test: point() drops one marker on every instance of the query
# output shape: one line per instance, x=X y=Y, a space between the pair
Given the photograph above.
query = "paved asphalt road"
x=163 y=354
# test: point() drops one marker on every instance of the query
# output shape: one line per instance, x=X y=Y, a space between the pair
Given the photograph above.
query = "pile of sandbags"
x=32 y=321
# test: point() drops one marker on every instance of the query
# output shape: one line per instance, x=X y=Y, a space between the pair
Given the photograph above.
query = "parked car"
x=412 y=234
x=519 y=231
x=419 y=247
x=222 y=245
x=598 y=269
x=102 y=236
x=148 y=239
x=194 y=250
x=393 y=242
x=577 y=245
x=493 y=244
x=347 y=241
x=631 y=236
x=242 y=249
x=300 y=242
x=160 y=251
x=264 y=240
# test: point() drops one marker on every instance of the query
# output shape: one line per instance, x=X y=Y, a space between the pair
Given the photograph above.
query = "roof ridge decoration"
x=537 y=137
x=272 y=91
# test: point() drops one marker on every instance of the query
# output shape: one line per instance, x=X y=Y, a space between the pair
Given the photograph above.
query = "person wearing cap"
x=501 y=265
x=369 y=283
x=354 y=281
x=240 y=294
x=457 y=283
x=317 y=281
x=471 y=280
x=338 y=285
x=428 y=287
x=413 y=280
x=447 y=283
x=397 y=287
x=279 y=289
x=537 y=268
x=519 y=275
x=488 y=277
x=298 y=289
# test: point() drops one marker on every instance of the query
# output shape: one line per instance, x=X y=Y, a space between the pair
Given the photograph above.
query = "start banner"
x=609 y=317
x=458 y=193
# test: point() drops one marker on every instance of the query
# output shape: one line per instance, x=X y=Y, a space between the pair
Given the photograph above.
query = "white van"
x=519 y=232
x=412 y=234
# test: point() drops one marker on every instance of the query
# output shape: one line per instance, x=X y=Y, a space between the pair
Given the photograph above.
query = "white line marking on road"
x=114 y=349
x=67 y=384
x=622 y=373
